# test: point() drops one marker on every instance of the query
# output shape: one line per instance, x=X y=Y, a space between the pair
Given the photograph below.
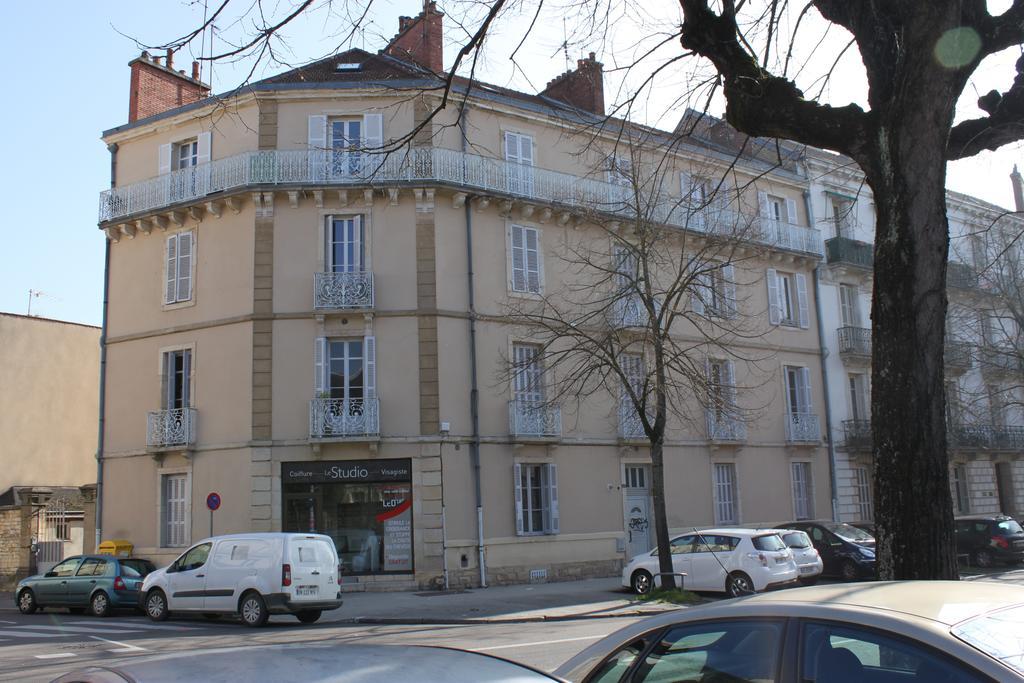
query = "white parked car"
x=806 y=556
x=736 y=561
x=252 y=575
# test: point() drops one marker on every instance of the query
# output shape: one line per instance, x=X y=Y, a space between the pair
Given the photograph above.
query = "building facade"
x=310 y=286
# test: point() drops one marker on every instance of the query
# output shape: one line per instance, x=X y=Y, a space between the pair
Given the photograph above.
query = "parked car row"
x=250 y=575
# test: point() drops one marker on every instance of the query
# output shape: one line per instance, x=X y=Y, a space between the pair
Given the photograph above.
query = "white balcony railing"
x=802 y=428
x=165 y=428
x=534 y=418
x=724 y=428
x=342 y=290
x=631 y=427
x=343 y=417
x=291 y=168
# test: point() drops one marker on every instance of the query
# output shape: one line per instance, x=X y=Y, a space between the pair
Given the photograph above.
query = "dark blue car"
x=99 y=583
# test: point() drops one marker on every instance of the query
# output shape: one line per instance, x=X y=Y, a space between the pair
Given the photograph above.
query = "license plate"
x=807 y=570
x=306 y=591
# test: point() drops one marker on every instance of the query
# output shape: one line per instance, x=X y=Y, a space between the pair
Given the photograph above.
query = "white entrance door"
x=638 y=524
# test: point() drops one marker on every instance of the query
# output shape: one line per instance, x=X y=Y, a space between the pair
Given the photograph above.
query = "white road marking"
x=75 y=630
x=543 y=642
x=56 y=655
x=123 y=647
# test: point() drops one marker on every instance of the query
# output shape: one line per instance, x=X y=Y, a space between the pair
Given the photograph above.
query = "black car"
x=846 y=551
x=989 y=539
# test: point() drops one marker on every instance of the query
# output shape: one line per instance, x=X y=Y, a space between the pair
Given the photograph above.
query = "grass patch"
x=676 y=596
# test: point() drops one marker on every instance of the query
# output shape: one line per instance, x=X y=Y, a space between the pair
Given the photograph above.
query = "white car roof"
x=263 y=536
x=742 y=532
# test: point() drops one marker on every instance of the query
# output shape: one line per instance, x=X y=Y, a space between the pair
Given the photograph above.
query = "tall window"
x=536 y=493
x=776 y=208
x=174 y=510
x=954 y=408
x=715 y=290
x=862 y=486
x=345 y=367
x=996 y=405
x=842 y=216
x=519 y=154
x=721 y=389
x=346 y=245
x=787 y=299
x=178 y=270
x=696 y=190
x=798 y=390
x=345 y=143
x=526 y=266
x=620 y=170
x=186 y=154
x=177 y=373
x=803 y=493
x=528 y=378
x=961 y=495
x=726 y=508
x=858 y=404
x=849 y=310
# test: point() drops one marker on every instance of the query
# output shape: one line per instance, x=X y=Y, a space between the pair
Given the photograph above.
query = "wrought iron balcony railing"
x=958 y=354
x=725 y=428
x=857 y=434
x=166 y=428
x=343 y=417
x=988 y=437
x=342 y=290
x=847 y=252
x=303 y=168
x=802 y=428
x=996 y=360
x=534 y=419
x=855 y=341
x=961 y=276
x=631 y=427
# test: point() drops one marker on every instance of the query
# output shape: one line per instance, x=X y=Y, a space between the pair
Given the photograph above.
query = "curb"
x=420 y=621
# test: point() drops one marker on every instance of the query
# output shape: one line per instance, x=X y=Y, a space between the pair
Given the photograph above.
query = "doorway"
x=637 y=509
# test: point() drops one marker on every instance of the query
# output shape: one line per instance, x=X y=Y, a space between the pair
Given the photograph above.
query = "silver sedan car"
x=911 y=632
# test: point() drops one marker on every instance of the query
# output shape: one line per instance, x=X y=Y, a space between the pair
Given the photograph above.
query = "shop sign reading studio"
x=323 y=472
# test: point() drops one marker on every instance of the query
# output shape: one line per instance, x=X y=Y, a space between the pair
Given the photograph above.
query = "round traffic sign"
x=213 y=501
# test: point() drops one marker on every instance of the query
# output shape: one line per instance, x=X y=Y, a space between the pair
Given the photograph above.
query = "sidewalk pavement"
x=568 y=600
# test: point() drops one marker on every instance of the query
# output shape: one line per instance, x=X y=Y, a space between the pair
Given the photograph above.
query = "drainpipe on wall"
x=474 y=392
x=824 y=375
x=103 y=365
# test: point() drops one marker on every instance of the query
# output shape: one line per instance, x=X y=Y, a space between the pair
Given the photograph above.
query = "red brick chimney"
x=157 y=87
x=582 y=88
x=420 y=38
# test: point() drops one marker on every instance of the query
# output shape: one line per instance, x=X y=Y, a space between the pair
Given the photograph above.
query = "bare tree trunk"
x=906 y=172
x=668 y=579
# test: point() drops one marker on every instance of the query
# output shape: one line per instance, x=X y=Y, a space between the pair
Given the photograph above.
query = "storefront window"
x=364 y=505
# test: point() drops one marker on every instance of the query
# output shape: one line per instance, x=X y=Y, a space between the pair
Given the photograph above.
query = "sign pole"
x=211 y=522
x=212 y=503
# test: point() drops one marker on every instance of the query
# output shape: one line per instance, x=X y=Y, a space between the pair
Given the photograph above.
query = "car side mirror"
x=50 y=575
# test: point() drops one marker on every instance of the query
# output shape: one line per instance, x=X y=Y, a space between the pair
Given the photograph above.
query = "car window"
x=195 y=558
x=66 y=568
x=850 y=532
x=768 y=542
x=88 y=567
x=818 y=534
x=796 y=539
x=981 y=527
x=837 y=652
x=997 y=634
x=1008 y=527
x=717 y=651
x=129 y=572
x=715 y=543
x=140 y=567
x=615 y=667
x=681 y=545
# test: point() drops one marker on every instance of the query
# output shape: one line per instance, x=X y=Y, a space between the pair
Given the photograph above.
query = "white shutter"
x=186 y=378
x=317 y=140
x=517 y=476
x=791 y=216
x=373 y=132
x=171 y=269
x=370 y=366
x=532 y=252
x=729 y=384
x=526 y=150
x=517 y=242
x=801 y=300
x=774 y=305
x=184 y=288
x=168 y=381
x=762 y=203
x=805 y=390
x=686 y=189
x=512 y=148
x=553 y=498
x=320 y=363
x=729 y=287
x=164 y=159
x=203 y=148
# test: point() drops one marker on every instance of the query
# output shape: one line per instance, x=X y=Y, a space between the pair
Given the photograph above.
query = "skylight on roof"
x=348 y=66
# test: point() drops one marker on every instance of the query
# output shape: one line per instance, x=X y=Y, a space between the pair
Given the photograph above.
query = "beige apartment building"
x=319 y=332
x=48 y=411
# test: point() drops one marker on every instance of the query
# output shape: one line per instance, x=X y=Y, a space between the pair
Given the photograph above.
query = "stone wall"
x=15 y=542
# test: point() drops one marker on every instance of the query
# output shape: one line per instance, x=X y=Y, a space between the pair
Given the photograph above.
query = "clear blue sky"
x=66 y=80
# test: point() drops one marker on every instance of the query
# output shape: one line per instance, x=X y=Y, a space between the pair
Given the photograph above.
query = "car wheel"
x=156 y=606
x=641 y=582
x=253 y=610
x=737 y=584
x=983 y=559
x=212 y=616
x=27 y=602
x=308 y=616
x=848 y=571
x=100 y=605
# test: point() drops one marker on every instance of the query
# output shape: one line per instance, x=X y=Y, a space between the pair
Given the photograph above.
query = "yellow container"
x=118 y=548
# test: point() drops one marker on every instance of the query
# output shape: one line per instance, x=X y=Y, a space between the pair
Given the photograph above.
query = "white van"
x=252 y=575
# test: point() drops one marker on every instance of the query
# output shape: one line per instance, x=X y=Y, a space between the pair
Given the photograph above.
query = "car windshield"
x=796 y=539
x=849 y=532
x=998 y=634
x=139 y=567
x=768 y=542
x=1009 y=527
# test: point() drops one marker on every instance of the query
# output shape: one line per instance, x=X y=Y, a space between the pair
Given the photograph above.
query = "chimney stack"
x=156 y=87
x=1018 y=189
x=420 y=38
x=582 y=88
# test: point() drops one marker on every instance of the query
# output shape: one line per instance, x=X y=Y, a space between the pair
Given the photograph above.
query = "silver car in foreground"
x=910 y=631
